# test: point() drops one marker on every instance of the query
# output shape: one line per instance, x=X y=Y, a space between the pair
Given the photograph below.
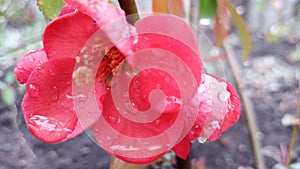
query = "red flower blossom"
x=141 y=88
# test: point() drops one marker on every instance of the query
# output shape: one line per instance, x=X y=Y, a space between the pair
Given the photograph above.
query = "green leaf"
x=50 y=8
x=207 y=8
x=8 y=95
x=242 y=30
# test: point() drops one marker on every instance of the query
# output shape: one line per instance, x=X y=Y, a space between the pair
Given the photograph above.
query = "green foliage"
x=242 y=30
x=8 y=95
x=208 y=8
x=50 y=8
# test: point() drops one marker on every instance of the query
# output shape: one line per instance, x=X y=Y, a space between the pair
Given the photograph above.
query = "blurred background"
x=270 y=80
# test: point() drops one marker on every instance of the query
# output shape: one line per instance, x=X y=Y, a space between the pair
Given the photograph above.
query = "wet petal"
x=183 y=148
x=66 y=36
x=28 y=63
x=48 y=104
x=110 y=19
x=100 y=10
x=168 y=25
x=219 y=108
x=66 y=10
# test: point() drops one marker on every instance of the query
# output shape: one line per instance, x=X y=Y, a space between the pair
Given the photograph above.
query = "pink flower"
x=140 y=88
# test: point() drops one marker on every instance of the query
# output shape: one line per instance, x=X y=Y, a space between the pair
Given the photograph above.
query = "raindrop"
x=55 y=95
x=146 y=38
x=202 y=78
x=212 y=86
x=125 y=93
x=169 y=45
x=158 y=86
x=224 y=96
x=81 y=97
x=48 y=123
x=215 y=124
x=21 y=69
x=33 y=89
x=157 y=122
x=51 y=72
x=130 y=108
x=113 y=119
x=202 y=139
x=167 y=79
x=206 y=105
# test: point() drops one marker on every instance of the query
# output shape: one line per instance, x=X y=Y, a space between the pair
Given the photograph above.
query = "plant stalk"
x=294 y=133
x=129 y=6
x=248 y=105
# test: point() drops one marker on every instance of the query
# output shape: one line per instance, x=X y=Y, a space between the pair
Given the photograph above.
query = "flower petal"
x=168 y=25
x=183 y=148
x=66 y=10
x=100 y=10
x=110 y=19
x=48 y=104
x=219 y=108
x=65 y=36
x=28 y=63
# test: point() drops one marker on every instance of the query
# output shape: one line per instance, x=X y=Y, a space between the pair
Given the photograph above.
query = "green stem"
x=294 y=133
x=129 y=6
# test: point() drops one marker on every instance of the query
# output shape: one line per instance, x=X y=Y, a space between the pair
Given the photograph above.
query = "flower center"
x=109 y=65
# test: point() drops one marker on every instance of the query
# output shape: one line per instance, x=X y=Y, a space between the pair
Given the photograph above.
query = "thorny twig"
x=248 y=106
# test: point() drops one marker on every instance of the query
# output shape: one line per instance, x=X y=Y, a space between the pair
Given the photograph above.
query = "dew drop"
x=55 y=95
x=33 y=89
x=158 y=86
x=202 y=78
x=157 y=122
x=202 y=139
x=51 y=72
x=224 y=96
x=215 y=124
x=130 y=108
x=206 y=105
x=125 y=93
x=113 y=119
x=146 y=38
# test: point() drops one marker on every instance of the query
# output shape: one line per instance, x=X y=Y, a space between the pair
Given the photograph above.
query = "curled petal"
x=48 y=104
x=219 y=108
x=28 y=63
x=65 y=36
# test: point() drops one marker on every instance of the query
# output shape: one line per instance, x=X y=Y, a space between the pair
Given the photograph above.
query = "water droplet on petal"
x=51 y=72
x=158 y=86
x=33 y=89
x=215 y=124
x=157 y=122
x=146 y=38
x=125 y=93
x=55 y=95
x=206 y=105
x=224 y=96
x=113 y=119
x=202 y=139
x=202 y=78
